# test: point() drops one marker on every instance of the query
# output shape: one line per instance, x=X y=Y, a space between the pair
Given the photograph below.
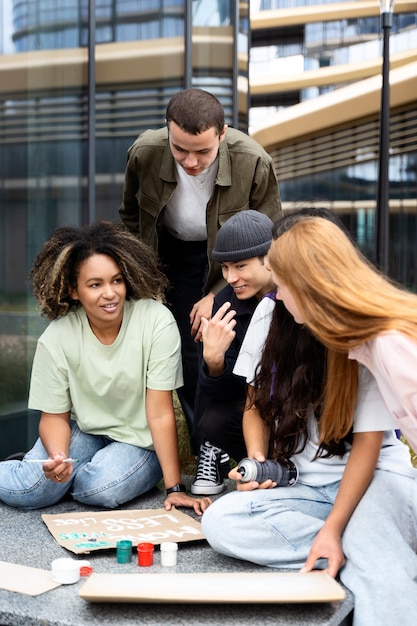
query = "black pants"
x=185 y=264
x=221 y=425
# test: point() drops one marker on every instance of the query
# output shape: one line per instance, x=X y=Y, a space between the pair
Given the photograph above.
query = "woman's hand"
x=55 y=433
x=326 y=545
x=357 y=475
x=56 y=470
x=179 y=498
x=250 y=486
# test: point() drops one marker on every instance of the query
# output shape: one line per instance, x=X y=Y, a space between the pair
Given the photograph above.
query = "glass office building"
x=80 y=79
x=315 y=93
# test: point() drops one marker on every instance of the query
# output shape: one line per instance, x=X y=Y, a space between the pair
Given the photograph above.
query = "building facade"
x=80 y=79
x=315 y=85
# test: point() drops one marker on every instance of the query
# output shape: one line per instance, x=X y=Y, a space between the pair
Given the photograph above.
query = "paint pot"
x=85 y=568
x=65 y=571
x=169 y=551
x=124 y=551
x=145 y=554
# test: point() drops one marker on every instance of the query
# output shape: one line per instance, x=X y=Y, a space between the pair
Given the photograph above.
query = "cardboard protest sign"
x=85 y=532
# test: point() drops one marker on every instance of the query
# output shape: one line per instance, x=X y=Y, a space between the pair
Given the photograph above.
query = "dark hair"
x=195 y=111
x=288 y=382
x=291 y=378
x=55 y=269
x=285 y=223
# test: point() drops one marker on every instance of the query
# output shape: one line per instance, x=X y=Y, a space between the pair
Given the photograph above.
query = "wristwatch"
x=177 y=487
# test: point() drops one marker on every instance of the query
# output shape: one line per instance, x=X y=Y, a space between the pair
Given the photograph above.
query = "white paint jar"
x=169 y=551
x=65 y=571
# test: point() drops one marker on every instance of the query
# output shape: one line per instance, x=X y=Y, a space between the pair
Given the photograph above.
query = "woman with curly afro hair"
x=102 y=377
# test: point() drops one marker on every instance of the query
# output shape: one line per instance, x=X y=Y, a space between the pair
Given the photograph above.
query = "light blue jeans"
x=276 y=527
x=109 y=474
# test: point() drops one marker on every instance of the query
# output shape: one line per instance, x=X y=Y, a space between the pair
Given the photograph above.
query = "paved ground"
x=25 y=539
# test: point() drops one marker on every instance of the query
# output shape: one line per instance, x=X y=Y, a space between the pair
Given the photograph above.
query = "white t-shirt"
x=371 y=413
x=106 y=385
x=185 y=213
x=252 y=345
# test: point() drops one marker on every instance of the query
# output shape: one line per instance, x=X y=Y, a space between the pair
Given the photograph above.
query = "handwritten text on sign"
x=84 y=532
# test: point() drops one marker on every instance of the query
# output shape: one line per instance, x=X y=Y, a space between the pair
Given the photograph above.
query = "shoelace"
x=207 y=463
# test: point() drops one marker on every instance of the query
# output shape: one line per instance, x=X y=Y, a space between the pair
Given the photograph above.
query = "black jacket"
x=227 y=387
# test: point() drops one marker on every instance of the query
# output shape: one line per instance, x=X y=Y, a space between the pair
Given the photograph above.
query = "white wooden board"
x=230 y=587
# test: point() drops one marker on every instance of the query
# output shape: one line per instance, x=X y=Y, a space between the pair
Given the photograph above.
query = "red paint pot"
x=145 y=554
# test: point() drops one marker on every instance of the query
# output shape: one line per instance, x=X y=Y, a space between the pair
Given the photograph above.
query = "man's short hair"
x=195 y=110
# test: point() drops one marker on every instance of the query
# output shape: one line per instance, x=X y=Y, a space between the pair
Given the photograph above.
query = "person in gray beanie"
x=240 y=247
x=244 y=236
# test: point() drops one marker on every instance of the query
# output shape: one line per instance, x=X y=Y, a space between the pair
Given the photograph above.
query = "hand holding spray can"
x=284 y=473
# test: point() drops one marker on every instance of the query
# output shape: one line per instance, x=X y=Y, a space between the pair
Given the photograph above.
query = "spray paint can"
x=284 y=472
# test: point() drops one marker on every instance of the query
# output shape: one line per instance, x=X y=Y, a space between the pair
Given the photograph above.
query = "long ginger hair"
x=344 y=302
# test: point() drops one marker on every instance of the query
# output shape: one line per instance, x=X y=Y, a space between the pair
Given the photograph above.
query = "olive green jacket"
x=245 y=180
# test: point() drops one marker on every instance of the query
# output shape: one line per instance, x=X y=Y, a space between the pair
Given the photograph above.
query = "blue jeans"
x=276 y=527
x=109 y=474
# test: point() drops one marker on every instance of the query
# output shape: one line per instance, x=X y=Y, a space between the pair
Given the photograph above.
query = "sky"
x=6 y=27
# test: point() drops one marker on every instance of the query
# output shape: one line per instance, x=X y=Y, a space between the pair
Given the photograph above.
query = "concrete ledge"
x=25 y=539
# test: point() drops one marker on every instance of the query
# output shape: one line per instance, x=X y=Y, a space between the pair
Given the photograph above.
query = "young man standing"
x=182 y=183
x=240 y=247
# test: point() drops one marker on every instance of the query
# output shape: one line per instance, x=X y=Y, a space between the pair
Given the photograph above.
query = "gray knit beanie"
x=245 y=235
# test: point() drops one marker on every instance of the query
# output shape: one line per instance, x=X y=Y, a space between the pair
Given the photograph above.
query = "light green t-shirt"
x=106 y=385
